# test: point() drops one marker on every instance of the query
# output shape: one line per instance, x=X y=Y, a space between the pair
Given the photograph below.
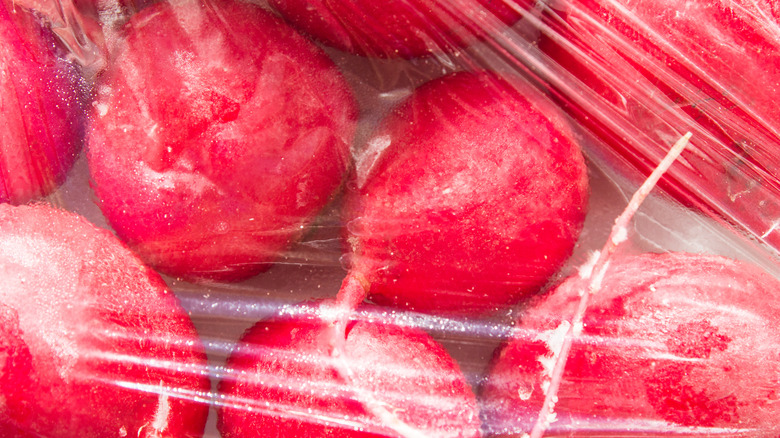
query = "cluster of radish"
x=215 y=135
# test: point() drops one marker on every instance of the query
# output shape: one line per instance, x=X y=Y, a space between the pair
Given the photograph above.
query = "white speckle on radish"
x=525 y=392
x=554 y=340
x=102 y=109
x=171 y=180
x=163 y=411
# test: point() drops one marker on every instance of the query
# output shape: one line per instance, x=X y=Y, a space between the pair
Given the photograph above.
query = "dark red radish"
x=40 y=106
x=671 y=343
x=389 y=380
x=400 y=28
x=474 y=204
x=93 y=342
x=86 y=28
x=76 y=30
x=219 y=134
x=650 y=70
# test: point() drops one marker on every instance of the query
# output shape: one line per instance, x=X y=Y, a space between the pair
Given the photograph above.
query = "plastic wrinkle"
x=731 y=132
x=594 y=283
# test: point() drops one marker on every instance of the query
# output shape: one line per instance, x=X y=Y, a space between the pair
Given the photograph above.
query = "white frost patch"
x=578 y=327
x=163 y=412
x=586 y=270
x=17 y=249
x=525 y=393
x=620 y=237
x=554 y=340
x=184 y=61
x=173 y=179
x=367 y=160
x=101 y=108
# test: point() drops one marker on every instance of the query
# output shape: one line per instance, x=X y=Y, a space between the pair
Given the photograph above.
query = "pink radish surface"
x=93 y=343
x=219 y=134
x=651 y=70
x=40 y=109
x=672 y=343
x=477 y=200
x=399 y=27
x=389 y=381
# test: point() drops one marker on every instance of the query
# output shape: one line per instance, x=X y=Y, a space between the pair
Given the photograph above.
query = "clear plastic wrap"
x=360 y=218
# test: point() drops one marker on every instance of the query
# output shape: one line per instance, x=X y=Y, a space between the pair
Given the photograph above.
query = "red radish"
x=40 y=109
x=671 y=344
x=402 y=28
x=74 y=29
x=85 y=27
x=219 y=134
x=389 y=381
x=93 y=343
x=475 y=203
x=652 y=69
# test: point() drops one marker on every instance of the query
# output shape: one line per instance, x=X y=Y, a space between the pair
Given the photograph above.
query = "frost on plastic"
x=389 y=219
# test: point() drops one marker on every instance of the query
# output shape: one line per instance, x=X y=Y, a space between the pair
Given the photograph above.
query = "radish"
x=475 y=203
x=92 y=342
x=651 y=344
x=463 y=154
x=670 y=344
x=85 y=27
x=652 y=69
x=219 y=134
x=402 y=28
x=389 y=380
x=40 y=107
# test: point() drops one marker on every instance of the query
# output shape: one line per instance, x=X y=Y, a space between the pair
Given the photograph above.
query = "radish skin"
x=41 y=109
x=476 y=202
x=214 y=147
x=394 y=28
x=389 y=380
x=94 y=343
x=669 y=344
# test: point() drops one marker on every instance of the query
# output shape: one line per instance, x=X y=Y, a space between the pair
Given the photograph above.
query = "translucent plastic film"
x=406 y=218
x=639 y=74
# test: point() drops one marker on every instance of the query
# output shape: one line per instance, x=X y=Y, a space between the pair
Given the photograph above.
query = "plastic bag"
x=450 y=163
